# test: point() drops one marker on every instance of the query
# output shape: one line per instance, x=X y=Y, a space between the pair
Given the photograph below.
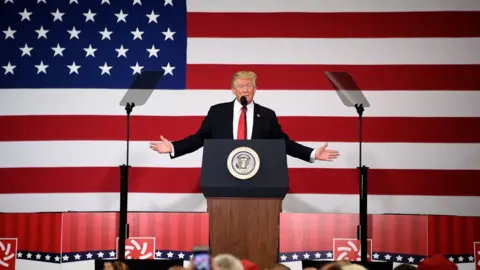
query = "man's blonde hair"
x=249 y=75
x=227 y=262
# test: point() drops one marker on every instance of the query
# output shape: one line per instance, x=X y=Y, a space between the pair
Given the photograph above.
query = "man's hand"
x=322 y=153
x=163 y=147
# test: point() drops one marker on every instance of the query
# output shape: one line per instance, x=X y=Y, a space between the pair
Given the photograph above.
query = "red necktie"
x=241 y=125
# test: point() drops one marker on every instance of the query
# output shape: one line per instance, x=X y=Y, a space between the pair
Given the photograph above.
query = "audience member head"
x=280 y=266
x=353 y=267
x=405 y=267
x=226 y=262
x=115 y=265
x=437 y=262
x=337 y=265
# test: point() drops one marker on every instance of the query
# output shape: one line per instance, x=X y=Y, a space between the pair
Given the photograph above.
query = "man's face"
x=244 y=87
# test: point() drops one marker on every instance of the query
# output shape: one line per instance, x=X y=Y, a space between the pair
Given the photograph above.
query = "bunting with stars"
x=66 y=64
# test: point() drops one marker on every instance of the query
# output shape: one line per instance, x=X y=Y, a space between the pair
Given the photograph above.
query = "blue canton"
x=91 y=43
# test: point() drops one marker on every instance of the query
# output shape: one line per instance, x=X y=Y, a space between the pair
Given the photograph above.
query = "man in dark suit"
x=225 y=121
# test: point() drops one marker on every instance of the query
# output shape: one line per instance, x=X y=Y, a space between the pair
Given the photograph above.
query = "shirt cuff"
x=172 y=154
x=312 y=156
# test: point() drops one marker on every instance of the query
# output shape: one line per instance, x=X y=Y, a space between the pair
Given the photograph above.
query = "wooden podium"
x=244 y=214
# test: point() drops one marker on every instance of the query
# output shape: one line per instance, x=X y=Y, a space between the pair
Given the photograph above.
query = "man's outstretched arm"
x=187 y=145
x=293 y=148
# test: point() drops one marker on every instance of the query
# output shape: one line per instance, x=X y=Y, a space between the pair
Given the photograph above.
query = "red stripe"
x=368 y=77
x=302 y=180
x=145 y=128
x=334 y=25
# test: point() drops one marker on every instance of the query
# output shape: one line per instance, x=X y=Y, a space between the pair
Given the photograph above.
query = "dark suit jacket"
x=218 y=125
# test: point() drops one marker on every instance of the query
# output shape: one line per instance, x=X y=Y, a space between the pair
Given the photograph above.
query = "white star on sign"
x=137 y=2
x=153 y=51
x=26 y=50
x=73 y=68
x=41 y=68
x=25 y=14
x=57 y=15
x=121 y=16
x=105 y=33
x=58 y=50
x=90 y=51
x=89 y=16
x=136 y=69
x=122 y=51
x=105 y=69
x=137 y=34
x=168 y=2
x=9 y=33
x=152 y=17
x=42 y=32
x=9 y=68
x=168 y=69
x=105 y=1
x=74 y=33
x=169 y=34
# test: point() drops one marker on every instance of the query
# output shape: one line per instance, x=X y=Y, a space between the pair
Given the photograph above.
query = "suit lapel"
x=256 y=122
x=229 y=116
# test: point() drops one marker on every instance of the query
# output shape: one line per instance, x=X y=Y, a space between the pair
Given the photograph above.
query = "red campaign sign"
x=139 y=248
x=350 y=249
x=8 y=251
x=477 y=255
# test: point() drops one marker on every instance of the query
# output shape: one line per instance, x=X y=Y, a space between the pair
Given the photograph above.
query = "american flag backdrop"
x=66 y=64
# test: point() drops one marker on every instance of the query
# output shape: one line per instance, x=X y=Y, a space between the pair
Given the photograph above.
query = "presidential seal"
x=243 y=163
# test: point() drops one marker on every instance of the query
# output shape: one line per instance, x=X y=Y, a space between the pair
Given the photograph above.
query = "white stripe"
x=197 y=102
x=112 y=154
x=334 y=51
x=330 y=5
x=303 y=203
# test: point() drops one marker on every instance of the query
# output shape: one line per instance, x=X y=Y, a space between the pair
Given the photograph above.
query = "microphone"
x=243 y=101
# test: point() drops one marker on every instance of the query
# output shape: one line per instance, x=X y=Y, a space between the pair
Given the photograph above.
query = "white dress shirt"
x=237 y=111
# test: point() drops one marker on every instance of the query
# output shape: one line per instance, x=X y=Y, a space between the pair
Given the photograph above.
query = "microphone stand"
x=245 y=123
x=243 y=101
x=362 y=228
x=123 y=225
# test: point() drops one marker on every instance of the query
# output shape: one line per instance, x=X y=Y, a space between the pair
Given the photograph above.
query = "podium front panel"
x=223 y=159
